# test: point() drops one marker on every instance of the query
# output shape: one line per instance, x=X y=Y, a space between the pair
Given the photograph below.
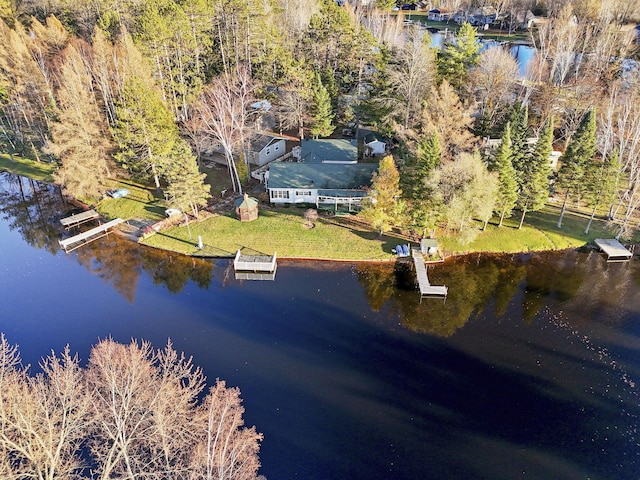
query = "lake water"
x=529 y=369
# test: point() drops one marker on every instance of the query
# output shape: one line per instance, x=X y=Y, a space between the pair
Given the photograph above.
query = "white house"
x=439 y=15
x=374 y=144
x=265 y=148
x=323 y=184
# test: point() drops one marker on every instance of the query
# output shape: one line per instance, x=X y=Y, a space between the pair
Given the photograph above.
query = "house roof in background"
x=331 y=149
x=325 y=176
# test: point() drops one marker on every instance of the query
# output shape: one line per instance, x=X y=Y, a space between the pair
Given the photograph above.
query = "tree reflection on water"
x=518 y=285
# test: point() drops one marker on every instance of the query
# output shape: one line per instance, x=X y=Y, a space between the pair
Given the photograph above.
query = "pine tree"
x=80 y=138
x=321 y=125
x=456 y=58
x=145 y=131
x=419 y=190
x=383 y=207
x=429 y=154
x=603 y=184
x=507 y=194
x=534 y=186
x=577 y=157
x=187 y=188
x=519 y=133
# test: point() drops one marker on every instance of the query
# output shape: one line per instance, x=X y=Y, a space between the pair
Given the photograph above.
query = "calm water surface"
x=528 y=370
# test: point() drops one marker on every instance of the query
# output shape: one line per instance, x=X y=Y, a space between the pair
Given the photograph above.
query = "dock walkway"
x=71 y=243
x=426 y=289
x=614 y=250
x=79 y=218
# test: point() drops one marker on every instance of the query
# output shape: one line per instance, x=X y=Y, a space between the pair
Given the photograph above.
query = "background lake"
x=528 y=369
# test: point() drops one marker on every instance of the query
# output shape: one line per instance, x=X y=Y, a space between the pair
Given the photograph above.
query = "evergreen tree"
x=577 y=158
x=187 y=188
x=507 y=193
x=321 y=125
x=429 y=154
x=144 y=132
x=534 y=185
x=383 y=207
x=519 y=120
x=423 y=206
x=455 y=59
x=603 y=184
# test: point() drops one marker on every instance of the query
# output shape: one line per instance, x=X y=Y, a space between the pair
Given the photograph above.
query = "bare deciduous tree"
x=222 y=113
x=493 y=81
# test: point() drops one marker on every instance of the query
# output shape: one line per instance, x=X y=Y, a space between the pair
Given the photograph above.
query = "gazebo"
x=246 y=208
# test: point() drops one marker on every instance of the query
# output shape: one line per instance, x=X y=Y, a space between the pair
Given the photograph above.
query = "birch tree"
x=222 y=114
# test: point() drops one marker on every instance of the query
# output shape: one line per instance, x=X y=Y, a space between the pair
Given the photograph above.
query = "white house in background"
x=374 y=144
x=439 y=15
x=332 y=185
x=265 y=148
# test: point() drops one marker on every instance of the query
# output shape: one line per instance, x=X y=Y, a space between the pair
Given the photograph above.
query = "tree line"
x=132 y=412
x=108 y=89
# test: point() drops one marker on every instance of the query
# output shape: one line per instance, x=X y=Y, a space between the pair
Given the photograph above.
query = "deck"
x=254 y=263
x=615 y=251
x=79 y=218
x=426 y=289
x=71 y=243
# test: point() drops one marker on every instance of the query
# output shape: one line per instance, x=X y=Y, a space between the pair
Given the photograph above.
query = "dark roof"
x=326 y=176
x=260 y=141
x=331 y=149
x=373 y=137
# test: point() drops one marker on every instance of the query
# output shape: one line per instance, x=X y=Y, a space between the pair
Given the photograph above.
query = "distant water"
x=529 y=369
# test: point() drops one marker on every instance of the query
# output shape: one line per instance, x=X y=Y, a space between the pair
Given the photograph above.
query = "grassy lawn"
x=140 y=203
x=282 y=231
x=339 y=238
x=27 y=168
x=539 y=232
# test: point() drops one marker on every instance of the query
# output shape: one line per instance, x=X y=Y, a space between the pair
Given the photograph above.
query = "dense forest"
x=108 y=89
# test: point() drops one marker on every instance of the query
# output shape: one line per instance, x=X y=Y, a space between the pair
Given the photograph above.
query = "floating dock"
x=615 y=251
x=426 y=289
x=71 y=243
x=255 y=267
x=79 y=218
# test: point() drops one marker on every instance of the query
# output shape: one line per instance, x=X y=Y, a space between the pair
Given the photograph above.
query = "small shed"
x=428 y=246
x=246 y=208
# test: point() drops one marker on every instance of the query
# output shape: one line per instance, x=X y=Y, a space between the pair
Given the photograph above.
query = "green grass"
x=281 y=231
x=336 y=238
x=539 y=232
x=27 y=168
x=140 y=203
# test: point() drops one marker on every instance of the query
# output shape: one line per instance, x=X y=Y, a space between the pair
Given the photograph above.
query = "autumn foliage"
x=133 y=412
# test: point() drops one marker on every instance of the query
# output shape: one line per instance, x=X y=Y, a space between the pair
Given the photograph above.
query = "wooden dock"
x=71 y=243
x=615 y=251
x=426 y=289
x=255 y=267
x=79 y=218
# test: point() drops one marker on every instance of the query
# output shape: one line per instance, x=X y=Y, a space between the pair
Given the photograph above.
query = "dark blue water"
x=528 y=370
